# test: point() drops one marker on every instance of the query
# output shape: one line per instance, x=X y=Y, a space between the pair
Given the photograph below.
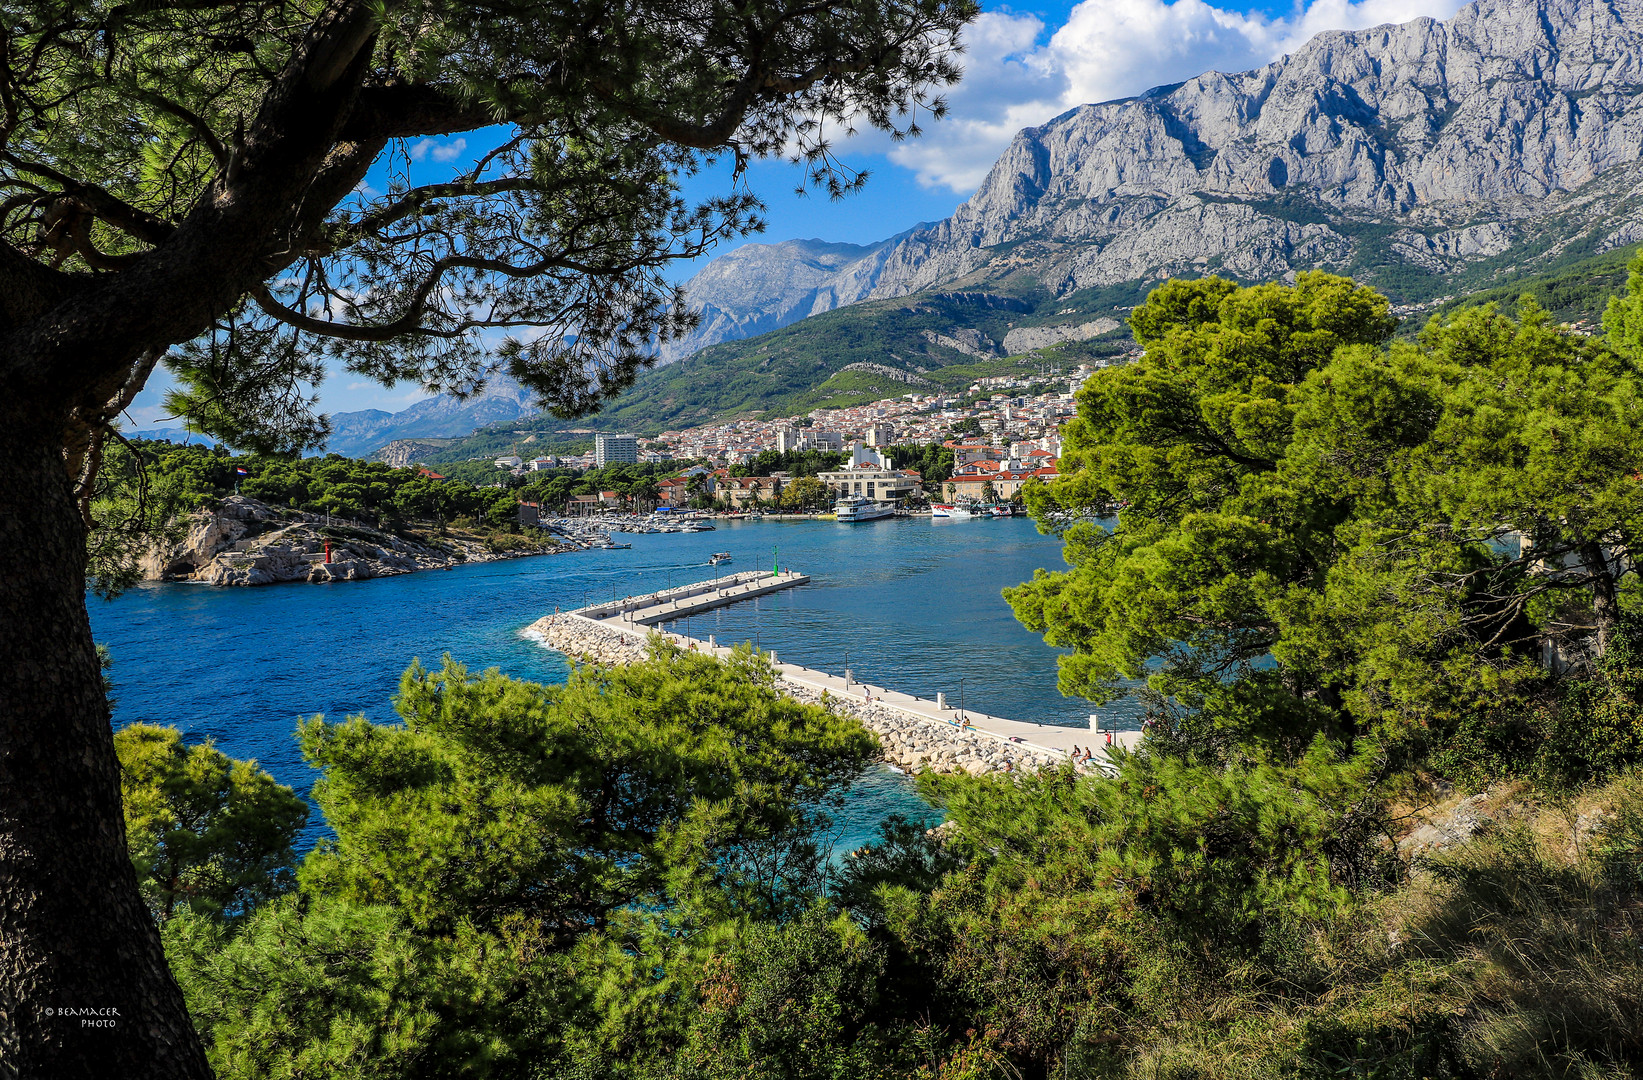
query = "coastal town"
x=999 y=435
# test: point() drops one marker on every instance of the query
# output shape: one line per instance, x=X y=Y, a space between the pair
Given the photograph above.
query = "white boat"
x=940 y=510
x=859 y=508
x=719 y=557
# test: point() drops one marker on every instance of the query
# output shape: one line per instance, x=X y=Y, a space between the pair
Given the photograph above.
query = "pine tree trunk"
x=84 y=987
x=1605 y=597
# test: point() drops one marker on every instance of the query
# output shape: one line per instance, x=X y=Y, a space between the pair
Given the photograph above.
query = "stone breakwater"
x=907 y=741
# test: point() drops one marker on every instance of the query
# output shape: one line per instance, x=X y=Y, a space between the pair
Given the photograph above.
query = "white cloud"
x=449 y=151
x=425 y=149
x=1015 y=78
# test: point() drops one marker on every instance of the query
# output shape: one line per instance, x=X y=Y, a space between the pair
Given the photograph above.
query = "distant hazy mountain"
x=357 y=434
x=762 y=287
x=171 y=434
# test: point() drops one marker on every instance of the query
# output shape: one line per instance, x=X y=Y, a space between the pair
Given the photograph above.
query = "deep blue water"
x=915 y=602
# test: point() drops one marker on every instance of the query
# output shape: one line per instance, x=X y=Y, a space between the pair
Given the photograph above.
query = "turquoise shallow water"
x=915 y=603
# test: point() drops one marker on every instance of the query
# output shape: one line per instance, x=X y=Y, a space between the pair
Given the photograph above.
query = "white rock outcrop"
x=1026 y=338
x=246 y=542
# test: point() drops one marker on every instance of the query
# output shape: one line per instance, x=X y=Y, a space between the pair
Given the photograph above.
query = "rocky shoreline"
x=906 y=741
x=246 y=542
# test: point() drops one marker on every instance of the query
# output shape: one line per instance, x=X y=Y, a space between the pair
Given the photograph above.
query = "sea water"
x=911 y=604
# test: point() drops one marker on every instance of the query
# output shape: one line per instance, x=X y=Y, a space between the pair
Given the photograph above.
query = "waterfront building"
x=870 y=481
x=744 y=491
x=615 y=450
x=1006 y=483
x=674 y=491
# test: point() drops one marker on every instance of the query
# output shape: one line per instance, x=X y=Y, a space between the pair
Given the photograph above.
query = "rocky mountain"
x=1511 y=132
x=357 y=434
x=762 y=287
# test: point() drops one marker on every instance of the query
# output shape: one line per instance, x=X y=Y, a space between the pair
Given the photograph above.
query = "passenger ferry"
x=859 y=508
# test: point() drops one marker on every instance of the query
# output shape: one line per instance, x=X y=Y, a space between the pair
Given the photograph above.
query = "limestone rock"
x=1443 y=142
x=1025 y=338
x=246 y=542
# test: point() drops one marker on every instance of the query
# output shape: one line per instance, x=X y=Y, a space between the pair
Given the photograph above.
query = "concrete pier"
x=688 y=600
x=616 y=632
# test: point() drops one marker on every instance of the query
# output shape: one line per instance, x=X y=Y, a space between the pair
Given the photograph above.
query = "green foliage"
x=529 y=880
x=317 y=987
x=933 y=463
x=1568 y=734
x=502 y=799
x=555 y=487
x=805 y=493
x=208 y=834
x=1578 y=293
x=134 y=508
x=1401 y=532
x=791 y=1002
x=794 y=463
x=347 y=487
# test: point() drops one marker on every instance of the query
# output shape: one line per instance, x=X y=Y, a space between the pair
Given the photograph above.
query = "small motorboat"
x=719 y=557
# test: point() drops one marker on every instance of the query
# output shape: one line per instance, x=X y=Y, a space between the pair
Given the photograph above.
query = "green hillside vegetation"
x=1372 y=832
x=1575 y=293
x=797 y=368
x=793 y=370
x=145 y=492
x=534 y=436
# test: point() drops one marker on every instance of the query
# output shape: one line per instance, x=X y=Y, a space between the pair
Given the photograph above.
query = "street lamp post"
x=961 y=717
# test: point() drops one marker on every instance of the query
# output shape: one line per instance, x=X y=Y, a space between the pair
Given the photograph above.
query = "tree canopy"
x=231 y=188
x=1361 y=537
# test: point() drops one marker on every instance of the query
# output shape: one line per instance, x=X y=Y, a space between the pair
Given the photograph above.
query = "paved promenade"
x=636 y=616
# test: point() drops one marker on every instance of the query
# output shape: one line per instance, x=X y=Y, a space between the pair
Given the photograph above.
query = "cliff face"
x=1429 y=145
x=246 y=542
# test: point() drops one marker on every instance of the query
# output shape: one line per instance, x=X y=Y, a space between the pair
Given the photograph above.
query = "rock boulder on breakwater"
x=907 y=741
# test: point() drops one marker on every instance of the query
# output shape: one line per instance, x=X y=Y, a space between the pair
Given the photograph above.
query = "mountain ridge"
x=1450 y=135
x=358 y=433
x=757 y=288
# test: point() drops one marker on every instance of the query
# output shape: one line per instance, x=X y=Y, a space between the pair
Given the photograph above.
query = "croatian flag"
x=242 y=472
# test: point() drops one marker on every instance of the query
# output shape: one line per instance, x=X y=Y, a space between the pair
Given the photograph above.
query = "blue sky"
x=1023 y=66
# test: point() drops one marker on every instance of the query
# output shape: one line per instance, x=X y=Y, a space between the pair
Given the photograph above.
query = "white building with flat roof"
x=615 y=450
